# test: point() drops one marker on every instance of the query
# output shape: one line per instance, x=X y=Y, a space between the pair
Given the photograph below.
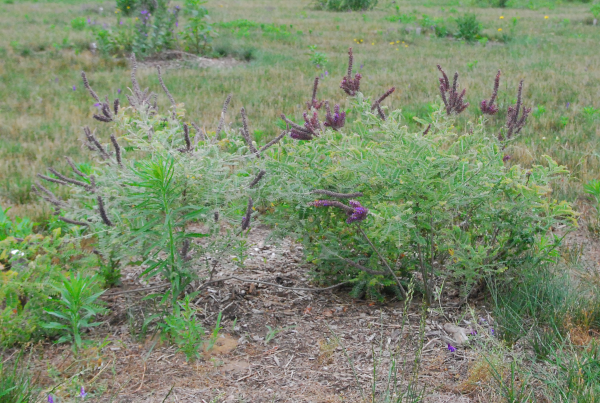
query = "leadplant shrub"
x=157 y=188
x=443 y=204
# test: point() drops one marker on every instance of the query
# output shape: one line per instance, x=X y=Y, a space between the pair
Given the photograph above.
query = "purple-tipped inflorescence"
x=427 y=130
x=452 y=99
x=382 y=98
x=313 y=102
x=451 y=348
x=506 y=158
x=359 y=213
x=248 y=216
x=335 y=120
x=351 y=85
x=355 y=211
x=310 y=130
x=514 y=122
x=487 y=106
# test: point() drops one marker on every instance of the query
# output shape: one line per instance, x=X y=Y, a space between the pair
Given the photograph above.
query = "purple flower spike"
x=568 y=104
x=451 y=348
x=89 y=21
x=505 y=158
x=50 y=399
x=118 y=91
x=473 y=332
x=326 y=73
x=492 y=331
x=487 y=106
x=337 y=120
x=82 y=394
x=359 y=213
x=97 y=104
x=351 y=85
x=74 y=88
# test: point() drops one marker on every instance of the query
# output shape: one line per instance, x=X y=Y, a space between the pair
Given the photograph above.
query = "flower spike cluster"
x=487 y=106
x=314 y=104
x=335 y=120
x=351 y=85
x=452 y=99
x=309 y=131
x=355 y=212
x=514 y=122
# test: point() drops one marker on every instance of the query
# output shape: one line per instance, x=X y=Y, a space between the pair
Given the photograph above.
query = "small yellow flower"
x=405 y=46
x=117 y=11
x=128 y=7
x=391 y=43
x=546 y=17
x=501 y=17
x=402 y=41
x=397 y=49
x=397 y=41
x=136 y=18
x=372 y=43
x=499 y=29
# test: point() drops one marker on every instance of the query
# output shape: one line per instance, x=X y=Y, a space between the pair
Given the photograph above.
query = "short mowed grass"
x=555 y=51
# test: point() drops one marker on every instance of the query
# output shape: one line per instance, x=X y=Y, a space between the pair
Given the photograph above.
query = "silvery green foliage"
x=163 y=197
x=444 y=204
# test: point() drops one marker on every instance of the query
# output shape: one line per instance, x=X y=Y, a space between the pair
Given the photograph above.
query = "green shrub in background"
x=152 y=32
x=444 y=204
x=345 y=5
x=468 y=27
x=198 y=34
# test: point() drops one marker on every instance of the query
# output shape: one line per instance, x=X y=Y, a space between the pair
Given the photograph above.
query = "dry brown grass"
x=42 y=117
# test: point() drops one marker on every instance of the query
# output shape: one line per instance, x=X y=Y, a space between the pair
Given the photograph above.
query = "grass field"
x=556 y=52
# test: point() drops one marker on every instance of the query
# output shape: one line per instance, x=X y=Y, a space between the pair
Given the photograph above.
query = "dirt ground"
x=276 y=345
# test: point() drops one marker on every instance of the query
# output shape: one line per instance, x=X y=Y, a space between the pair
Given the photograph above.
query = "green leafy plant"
x=78 y=23
x=127 y=7
x=75 y=306
x=595 y=10
x=18 y=227
x=197 y=33
x=468 y=27
x=151 y=32
x=185 y=329
x=215 y=333
x=29 y=265
x=317 y=59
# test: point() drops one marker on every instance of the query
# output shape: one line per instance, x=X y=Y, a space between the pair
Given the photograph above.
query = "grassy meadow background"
x=552 y=46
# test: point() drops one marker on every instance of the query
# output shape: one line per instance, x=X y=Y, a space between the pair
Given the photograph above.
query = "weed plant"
x=74 y=307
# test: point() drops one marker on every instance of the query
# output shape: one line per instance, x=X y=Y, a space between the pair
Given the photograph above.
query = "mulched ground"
x=308 y=358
